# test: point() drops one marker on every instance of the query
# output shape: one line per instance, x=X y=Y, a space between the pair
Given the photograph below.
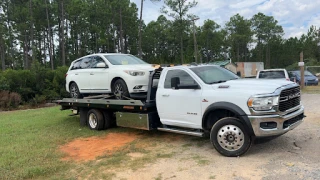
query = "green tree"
x=178 y=9
x=211 y=41
x=265 y=28
x=239 y=36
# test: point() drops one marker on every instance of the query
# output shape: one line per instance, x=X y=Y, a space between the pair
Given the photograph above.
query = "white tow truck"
x=201 y=100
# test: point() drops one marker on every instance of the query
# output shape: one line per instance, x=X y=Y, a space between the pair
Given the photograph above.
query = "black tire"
x=109 y=120
x=229 y=137
x=120 y=89
x=95 y=119
x=74 y=91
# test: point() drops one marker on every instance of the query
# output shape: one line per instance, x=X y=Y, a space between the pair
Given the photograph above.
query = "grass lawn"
x=311 y=89
x=30 y=141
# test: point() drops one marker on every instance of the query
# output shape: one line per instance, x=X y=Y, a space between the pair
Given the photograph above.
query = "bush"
x=9 y=100
x=34 y=86
x=4 y=85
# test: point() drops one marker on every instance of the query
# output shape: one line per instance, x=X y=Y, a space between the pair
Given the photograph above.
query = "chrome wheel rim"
x=118 y=91
x=230 y=137
x=93 y=120
x=74 y=91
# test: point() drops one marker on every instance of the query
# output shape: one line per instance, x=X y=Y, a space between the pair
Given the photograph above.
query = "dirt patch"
x=85 y=149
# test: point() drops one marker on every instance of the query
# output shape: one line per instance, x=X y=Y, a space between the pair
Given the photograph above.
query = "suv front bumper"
x=283 y=123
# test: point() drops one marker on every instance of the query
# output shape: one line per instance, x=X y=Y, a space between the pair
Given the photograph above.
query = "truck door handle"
x=165 y=95
x=91 y=73
x=76 y=74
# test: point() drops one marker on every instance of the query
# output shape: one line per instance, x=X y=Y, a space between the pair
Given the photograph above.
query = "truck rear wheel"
x=95 y=119
x=229 y=137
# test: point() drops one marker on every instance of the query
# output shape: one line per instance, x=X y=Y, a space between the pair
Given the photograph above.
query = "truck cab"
x=215 y=101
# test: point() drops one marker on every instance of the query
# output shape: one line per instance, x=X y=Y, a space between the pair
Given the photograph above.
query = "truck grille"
x=289 y=98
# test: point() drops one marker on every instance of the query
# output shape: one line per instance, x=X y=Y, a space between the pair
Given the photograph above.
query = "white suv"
x=124 y=75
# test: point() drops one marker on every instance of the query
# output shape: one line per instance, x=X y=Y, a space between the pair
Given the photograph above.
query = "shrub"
x=4 y=85
x=36 y=85
x=9 y=100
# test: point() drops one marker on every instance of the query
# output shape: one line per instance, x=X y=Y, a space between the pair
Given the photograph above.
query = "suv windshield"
x=124 y=59
x=213 y=74
x=272 y=74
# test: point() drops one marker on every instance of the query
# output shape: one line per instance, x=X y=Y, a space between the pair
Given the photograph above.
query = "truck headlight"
x=135 y=73
x=263 y=103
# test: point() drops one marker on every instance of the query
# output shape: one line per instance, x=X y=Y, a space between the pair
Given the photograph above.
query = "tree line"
x=56 y=32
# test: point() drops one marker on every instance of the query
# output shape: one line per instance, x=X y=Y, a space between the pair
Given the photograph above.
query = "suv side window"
x=185 y=78
x=76 y=65
x=85 y=63
x=96 y=60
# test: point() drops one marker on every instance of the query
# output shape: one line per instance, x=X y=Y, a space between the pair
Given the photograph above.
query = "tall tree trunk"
x=238 y=55
x=121 y=35
x=267 y=57
x=3 y=63
x=52 y=45
x=25 y=51
x=44 y=49
x=31 y=34
x=181 y=48
x=10 y=44
x=245 y=53
x=39 y=44
x=140 y=26
x=48 y=36
x=63 y=53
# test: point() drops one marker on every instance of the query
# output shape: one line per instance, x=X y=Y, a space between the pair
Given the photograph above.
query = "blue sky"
x=295 y=16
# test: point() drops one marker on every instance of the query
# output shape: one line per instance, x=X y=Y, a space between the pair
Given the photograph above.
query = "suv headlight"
x=263 y=103
x=135 y=73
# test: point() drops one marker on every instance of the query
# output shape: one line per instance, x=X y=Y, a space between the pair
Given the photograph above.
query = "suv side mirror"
x=101 y=65
x=175 y=81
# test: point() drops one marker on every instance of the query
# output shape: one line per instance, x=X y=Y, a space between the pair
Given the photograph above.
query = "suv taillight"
x=66 y=75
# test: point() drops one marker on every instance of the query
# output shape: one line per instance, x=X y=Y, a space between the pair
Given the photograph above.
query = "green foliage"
x=4 y=85
x=37 y=85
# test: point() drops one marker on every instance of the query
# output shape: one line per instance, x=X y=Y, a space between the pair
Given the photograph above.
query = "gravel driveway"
x=294 y=155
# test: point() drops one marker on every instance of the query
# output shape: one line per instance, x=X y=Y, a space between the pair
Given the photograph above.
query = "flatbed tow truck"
x=180 y=99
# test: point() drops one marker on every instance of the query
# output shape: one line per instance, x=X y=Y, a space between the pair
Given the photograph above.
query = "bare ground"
x=294 y=155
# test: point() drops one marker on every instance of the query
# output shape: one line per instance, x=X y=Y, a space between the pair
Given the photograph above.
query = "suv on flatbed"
x=200 y=100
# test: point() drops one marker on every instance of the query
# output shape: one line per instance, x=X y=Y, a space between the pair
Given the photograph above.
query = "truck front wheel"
x=229 y=137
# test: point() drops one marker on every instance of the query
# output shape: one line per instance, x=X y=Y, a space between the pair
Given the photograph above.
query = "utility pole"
x=301 y=70
x=195 y=42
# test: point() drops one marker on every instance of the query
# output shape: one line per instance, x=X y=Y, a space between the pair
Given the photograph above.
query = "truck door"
x=179 y=107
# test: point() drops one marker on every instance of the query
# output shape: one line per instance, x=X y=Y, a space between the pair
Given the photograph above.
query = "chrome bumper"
x=279 y=120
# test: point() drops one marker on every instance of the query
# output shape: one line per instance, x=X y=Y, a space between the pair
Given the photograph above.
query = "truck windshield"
x=214 y=74
x=124 y=59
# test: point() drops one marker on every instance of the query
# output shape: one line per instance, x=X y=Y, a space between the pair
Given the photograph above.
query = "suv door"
x=99 y=77
x=179 y=107
x=83 y=77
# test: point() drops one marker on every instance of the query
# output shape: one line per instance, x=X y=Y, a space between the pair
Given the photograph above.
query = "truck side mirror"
x=175 y=81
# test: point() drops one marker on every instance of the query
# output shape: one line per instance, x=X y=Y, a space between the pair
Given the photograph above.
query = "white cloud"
x=295 y=16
